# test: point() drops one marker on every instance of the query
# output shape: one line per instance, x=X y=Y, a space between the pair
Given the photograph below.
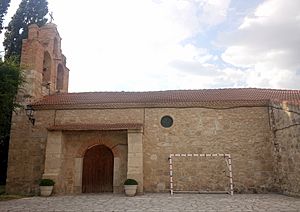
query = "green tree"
x=11 y=79
x=4 y=4
x=29 y=12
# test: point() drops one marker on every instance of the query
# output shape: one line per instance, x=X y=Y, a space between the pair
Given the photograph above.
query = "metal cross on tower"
x=51 y=17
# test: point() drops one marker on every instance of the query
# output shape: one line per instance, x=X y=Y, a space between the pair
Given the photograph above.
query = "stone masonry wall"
x=104 y=116
x=286 y=129
x=31 y=61
x=27 y=152
x=242 y=132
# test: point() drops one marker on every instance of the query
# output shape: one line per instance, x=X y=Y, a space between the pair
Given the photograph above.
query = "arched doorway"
x=97 y=175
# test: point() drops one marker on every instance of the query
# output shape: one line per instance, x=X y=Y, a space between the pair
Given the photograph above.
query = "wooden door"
x=97 y=176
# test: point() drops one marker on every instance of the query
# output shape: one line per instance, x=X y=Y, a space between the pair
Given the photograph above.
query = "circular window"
x=166 y=121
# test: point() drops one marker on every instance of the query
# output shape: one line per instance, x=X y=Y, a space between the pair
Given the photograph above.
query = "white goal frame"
x=226 y=157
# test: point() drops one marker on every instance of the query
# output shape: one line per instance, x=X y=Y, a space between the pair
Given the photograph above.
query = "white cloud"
x=150 y=45
x=131 y=45
x=144 y=45
x=213 y=11
x=268 y=44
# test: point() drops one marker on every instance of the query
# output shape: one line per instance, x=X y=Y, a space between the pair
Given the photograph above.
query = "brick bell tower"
x=44 y=64
x=45 y=73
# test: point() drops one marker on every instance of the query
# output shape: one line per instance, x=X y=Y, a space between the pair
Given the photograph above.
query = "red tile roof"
x=118 y=126
x=170 y=98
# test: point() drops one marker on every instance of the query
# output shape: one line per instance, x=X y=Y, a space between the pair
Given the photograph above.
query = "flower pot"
x=46 y=190
x=130 y=190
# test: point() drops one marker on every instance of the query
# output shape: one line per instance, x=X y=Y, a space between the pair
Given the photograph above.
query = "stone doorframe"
x=54 y=160
x=135 y=157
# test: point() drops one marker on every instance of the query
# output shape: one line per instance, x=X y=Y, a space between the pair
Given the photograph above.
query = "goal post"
x=226 y=157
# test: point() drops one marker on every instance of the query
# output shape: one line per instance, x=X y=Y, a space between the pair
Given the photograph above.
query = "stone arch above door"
x=107 y=142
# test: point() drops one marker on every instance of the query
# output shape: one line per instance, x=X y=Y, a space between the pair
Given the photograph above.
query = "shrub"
x=130 y=182
x=47 y=182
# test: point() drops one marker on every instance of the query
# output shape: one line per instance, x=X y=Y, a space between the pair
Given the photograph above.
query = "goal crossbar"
x=226 y=157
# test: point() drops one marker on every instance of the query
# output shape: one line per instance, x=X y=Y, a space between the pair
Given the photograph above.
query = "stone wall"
x=93 y=116
x=286 y=132
x=242 y=132
x=27 y=152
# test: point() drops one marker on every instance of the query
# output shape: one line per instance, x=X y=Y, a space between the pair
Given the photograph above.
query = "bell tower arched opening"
x=60 y=77
x=55 y=47
x=46 y=68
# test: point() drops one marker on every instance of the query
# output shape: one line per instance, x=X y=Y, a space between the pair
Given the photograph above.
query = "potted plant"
x=130 y=186
x=46 y=187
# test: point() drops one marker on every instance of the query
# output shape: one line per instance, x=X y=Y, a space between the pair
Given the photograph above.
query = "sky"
x=144 y=45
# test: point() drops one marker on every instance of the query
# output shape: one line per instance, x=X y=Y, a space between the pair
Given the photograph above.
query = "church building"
x=92 y=142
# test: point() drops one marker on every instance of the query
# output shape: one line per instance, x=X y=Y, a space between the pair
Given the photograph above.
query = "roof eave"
x=203 y=104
